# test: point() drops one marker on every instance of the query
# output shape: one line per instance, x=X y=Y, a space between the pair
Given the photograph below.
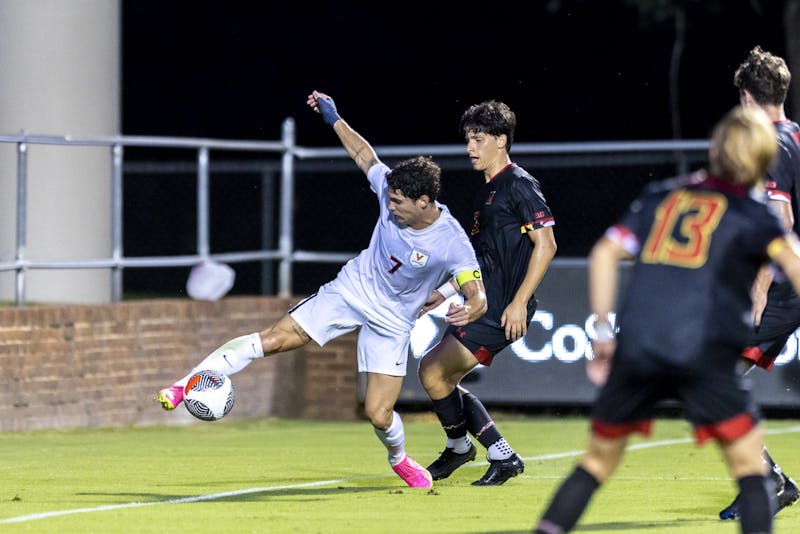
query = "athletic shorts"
x=778 y=322
x=485 y=340
x=482 y=340
x=331 y=313
x=717 y=404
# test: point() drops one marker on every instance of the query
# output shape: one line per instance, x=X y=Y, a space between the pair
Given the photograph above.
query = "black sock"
x=755 y=504
x=450 y=411
x=568 y=503
x=479 y=422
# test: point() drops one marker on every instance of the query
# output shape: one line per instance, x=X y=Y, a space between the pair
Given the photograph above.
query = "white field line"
x=236 y=493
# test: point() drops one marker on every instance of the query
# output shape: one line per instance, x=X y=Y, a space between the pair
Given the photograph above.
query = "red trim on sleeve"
x=776 y=194
x=538 y=223
x=624 y=238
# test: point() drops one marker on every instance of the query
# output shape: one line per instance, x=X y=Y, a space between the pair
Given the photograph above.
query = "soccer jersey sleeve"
x=783 y=178
x=530 y=205
x=461 y=257
x=377 y=178
x=631 y=228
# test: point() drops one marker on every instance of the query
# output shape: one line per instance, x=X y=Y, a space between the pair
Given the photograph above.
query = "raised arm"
x=357 y=147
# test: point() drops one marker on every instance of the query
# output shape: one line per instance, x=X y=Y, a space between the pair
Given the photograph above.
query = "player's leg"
x=440 y=372
x=777 y=324
x=459 y=411
x=785 y=488
x=786 y=491
x=381 y=395
x=569 y=502
x=745 y=463
x=624 y=405
x=237 y=354
x=504 y=463
x=382 y=355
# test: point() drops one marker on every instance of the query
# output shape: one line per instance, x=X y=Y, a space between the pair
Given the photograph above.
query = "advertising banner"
x=547 y=367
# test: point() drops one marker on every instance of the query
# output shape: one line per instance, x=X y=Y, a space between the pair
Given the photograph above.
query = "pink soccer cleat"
x=414 y=474
x=170 y=397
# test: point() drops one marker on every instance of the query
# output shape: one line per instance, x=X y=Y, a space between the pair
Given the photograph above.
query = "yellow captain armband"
x=467 y=276
x=776 y=246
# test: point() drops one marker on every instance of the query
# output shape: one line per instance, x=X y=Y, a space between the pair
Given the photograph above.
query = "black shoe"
x=789 y=495
x=731 y=511
x=501 y=470
x=449 y=461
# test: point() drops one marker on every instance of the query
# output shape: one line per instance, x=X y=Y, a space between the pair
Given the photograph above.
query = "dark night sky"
x=401 y=74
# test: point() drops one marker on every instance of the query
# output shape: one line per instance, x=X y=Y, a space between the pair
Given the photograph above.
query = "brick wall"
x=100 y=365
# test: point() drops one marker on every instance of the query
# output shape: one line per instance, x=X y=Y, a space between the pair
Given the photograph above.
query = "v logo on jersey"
x=419 y=258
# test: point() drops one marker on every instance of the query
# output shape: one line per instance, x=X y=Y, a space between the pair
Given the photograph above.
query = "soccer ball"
x=208 y=395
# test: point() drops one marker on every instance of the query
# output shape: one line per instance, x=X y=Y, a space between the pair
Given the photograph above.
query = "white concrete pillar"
x=59 y=75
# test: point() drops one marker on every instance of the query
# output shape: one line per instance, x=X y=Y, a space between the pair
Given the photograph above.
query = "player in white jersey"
x=415 y=247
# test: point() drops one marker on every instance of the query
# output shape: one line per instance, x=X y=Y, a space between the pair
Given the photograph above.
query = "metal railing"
x=289 y=152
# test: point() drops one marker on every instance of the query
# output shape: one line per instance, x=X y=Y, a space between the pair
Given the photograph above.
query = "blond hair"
x=743 y=146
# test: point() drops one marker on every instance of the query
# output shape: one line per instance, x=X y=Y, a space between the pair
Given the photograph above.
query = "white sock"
x=394 y=439
x=459 y=445
x=231 y=357
x=500 y=450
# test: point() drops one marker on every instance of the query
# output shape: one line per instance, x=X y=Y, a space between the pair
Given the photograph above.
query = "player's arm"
x=785 y=251
x=475 y=304
x=357 y=147
x=758 y=293
x=439 y=295
x=785 y=214
x=604 y=276
x=514 y=318
x=603 y=282
x=763 y=280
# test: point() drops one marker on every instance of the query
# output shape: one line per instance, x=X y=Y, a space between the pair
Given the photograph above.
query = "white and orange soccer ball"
x=209 y=395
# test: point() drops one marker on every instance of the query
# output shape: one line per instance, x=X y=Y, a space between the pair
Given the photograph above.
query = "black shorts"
x=485 y=338
x=482 y=340
x=778 y=322
x=716 y=402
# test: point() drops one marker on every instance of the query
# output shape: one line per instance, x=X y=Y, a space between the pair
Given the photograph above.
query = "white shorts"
x=331 y=313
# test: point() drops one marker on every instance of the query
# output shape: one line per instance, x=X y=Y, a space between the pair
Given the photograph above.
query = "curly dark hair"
x=765 y=76
x=416 y=177
x=491 y=117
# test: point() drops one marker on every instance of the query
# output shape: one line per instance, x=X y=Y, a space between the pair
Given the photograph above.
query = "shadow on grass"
x=639 y=526
x=618 y=526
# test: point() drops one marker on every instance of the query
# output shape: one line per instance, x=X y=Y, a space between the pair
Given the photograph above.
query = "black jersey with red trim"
x=698 y=244
x=507 y=207
x=783 y=184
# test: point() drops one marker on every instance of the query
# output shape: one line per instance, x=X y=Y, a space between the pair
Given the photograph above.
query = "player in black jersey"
x=512 y=235
x=763 y=81
x=698 y=243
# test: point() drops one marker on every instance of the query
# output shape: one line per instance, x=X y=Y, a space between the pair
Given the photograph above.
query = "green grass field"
x=325 y=477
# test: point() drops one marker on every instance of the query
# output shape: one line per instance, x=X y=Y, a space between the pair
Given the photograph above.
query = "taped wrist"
x=601 y=328
x=447 y=290
x=328 y=110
